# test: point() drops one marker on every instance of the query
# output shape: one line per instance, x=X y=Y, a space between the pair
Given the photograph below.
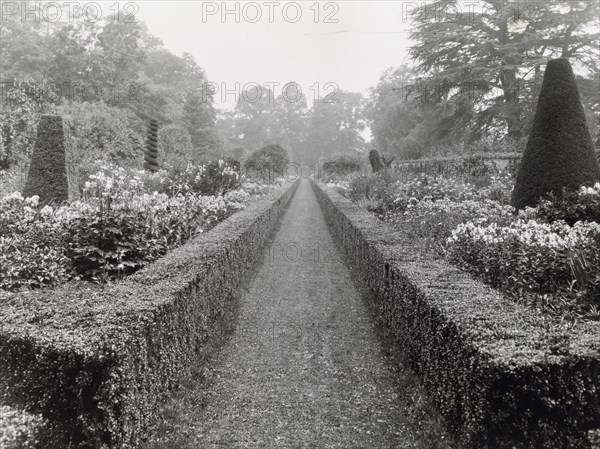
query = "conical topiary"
x=151 y=152
x=47 y=176
x=559 y=154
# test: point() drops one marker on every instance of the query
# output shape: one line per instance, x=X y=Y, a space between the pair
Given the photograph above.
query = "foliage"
x=175 y=146
x=32 y=246
x=549 y=255
x=491 y=89
x=559 y=153
x=342 y=164
x=106 y=75
x=211 y=178
x=99 y=132
x=571 y=207
x=23 y=103
x=121 y=223
x=269 y=159
x=527 y=256
x=47 y=177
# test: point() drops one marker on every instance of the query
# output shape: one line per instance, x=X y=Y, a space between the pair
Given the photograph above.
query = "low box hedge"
x=501 y=375
x=96 y=362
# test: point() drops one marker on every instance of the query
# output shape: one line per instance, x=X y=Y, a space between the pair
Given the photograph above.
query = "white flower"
x=33 y=201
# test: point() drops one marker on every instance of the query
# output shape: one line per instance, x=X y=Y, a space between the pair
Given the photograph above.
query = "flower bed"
x=124 y=220
x=547 y=257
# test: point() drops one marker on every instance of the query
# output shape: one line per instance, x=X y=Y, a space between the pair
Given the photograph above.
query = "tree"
x=559 y=153
x=269 y=159
x=394 y=114
x=334 y=127
x=487 y=63
x=199 y=119
x=24 y=102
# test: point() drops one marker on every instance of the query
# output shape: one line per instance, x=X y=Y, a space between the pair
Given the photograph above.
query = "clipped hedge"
x=97 y=361
x=501 y=376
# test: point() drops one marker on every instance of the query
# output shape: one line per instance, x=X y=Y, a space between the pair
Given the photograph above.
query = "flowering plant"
x=125 y=219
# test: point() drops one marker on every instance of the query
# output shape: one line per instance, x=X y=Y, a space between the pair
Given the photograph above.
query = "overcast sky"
x=350 y=45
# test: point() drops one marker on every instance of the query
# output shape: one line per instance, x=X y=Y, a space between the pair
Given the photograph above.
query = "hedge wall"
x=96 y=361
x=501 y=376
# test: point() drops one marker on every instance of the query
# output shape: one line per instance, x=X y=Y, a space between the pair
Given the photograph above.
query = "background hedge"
x=96 y=362
x=501 y=376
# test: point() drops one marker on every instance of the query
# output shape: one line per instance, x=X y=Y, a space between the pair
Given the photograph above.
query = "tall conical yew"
x=47 y=175
x=151 y=152
x=559 y=154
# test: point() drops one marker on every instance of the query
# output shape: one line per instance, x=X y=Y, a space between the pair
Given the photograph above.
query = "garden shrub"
x=526 y=255
x=211 y=178
x=31 y=245
x=98 y=132
x=559 y=154
x=342 y=164
x=269 y=160
x=175 y=146
x=47 y=176
x=582 y=205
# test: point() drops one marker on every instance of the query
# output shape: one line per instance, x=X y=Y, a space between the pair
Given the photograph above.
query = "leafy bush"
x=211 y=178
x=342 y=164
x=526 y=255
x=268 y=160
x=387 y=193
x=31 y=245
x=175 y=146
x=98 y=132
x=583 y=205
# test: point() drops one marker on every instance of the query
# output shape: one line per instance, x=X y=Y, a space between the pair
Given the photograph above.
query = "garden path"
x=304 y=366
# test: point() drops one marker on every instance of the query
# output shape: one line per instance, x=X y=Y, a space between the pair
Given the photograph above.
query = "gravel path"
x=304 y=367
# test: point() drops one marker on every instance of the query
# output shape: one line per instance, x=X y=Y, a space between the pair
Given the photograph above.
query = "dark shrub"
x=559 y=154
x=269 y=159
x=47 y=176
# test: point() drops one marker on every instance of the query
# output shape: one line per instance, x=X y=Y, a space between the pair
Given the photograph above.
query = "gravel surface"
x=304 y=367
